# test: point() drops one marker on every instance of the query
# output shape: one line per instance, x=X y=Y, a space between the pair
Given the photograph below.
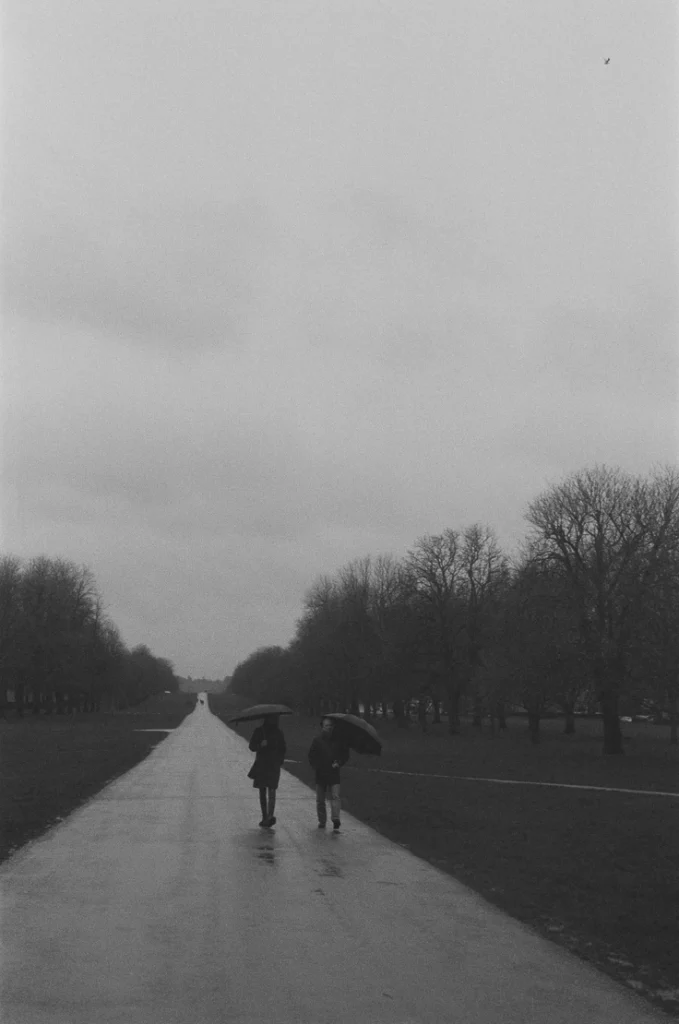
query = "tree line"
x=584 y=616
x=59 y=651
x=202 y=685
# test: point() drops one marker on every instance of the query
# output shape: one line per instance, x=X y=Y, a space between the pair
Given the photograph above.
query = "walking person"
x=268 y=743
x=327 y=754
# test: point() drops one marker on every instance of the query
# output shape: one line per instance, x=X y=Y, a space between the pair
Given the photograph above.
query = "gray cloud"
x=171 y=276
x=284 y=287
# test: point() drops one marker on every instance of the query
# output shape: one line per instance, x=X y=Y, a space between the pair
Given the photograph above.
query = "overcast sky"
x=289 y=283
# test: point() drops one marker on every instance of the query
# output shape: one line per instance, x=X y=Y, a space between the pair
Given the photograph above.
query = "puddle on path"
x=267 y=854
x=330 y=869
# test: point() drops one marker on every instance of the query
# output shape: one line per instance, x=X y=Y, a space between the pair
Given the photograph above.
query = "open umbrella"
x=260 y=711
x=357 y=733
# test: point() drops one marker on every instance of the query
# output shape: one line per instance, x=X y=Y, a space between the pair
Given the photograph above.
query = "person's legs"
x=335 y=803
x=320 y=804
x=262 y=804
x=272 y=805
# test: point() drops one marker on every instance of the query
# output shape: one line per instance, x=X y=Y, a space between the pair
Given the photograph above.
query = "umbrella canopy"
x=260 y=711
x=358 y=734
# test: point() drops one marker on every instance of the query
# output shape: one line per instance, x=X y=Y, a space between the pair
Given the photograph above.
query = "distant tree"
x=397 y=629
x=537 y=638
x=10 y=625
x=143 y=675
x=654 y=660
x=436 y=568
x=607 y=532
x=318 y=650
x=262 y=677
x=484 y=580
x=57 y=647
x=355 y=641
x=587 y=610
x=353 y=633
x=57 y=602
x=108 y=654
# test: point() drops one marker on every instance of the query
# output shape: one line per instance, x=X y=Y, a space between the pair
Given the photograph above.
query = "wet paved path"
x=161 y=901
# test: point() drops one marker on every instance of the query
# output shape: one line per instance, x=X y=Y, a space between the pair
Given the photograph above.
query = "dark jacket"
x=322 y=752
x=266 y=771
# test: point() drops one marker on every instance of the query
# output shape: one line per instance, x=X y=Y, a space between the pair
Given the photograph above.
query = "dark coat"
x=266 y=771
x=322 y=752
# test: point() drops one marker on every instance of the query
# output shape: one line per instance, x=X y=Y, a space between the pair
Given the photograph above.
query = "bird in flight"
x=607 y=61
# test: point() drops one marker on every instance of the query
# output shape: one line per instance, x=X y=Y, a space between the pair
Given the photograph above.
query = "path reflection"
x=266 y=853
x=262 y=844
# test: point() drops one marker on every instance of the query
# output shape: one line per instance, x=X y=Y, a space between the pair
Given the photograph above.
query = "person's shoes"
x=263 y=823
x=271 y=821
x=321 y=824
x=336 y=825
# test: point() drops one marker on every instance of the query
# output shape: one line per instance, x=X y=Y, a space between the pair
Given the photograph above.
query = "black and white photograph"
x=339 y=512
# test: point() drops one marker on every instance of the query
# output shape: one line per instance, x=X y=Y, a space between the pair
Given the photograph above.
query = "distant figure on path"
x=268 y=742
x=327 y=754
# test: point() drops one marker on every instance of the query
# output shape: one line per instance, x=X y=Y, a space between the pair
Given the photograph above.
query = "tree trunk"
x=437 y=712
x=422 y=714
x=674 y=719
x=569 y=727
x=501 y=717
x=454 y=712
x=385 y=710
x=612 y=730
x=399 y=714
x=534 y=726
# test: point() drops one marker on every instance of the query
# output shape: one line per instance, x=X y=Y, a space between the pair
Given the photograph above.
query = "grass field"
x=594 y=871
x=50 y=764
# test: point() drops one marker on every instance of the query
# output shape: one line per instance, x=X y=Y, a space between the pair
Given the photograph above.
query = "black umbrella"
x=357 y=733
x=260 y=711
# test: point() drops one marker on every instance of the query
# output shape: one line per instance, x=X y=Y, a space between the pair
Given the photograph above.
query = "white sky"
x=289 y=283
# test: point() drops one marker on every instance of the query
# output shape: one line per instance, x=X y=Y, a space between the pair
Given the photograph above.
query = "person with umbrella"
x=268 y=743
x=327 y=753
x=340 y=733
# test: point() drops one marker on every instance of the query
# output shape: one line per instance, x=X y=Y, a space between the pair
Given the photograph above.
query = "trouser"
x=333 y=794
x=268 y=806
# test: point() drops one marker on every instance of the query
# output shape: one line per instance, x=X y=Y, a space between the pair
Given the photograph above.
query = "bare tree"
x=436 y=568
x=396 y=628
x=607 y=531
x=316 y=647
x=655 y=645
x=485 y=576
x=58 y=648
x=356 y=635
x=10 y=625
